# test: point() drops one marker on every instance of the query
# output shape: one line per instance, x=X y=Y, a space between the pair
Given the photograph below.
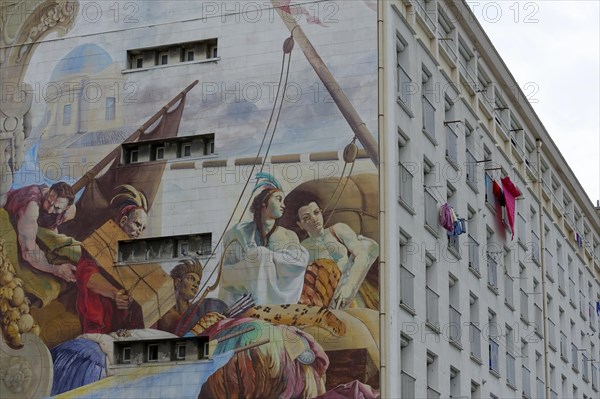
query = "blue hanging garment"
x=459 y=228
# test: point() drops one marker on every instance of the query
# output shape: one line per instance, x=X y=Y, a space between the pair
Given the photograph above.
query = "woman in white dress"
x=262 y=258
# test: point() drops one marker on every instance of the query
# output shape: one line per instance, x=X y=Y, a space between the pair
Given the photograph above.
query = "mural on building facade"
x=287 y=293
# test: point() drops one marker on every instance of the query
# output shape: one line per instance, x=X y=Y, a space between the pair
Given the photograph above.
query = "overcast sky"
x=551 y=47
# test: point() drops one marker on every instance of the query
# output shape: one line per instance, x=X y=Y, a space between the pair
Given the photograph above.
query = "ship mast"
x=357 y=125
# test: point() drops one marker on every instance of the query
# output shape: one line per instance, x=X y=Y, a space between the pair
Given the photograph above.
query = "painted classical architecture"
x=283 y=199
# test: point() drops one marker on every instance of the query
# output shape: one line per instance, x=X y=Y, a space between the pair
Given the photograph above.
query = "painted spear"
x=357 y=125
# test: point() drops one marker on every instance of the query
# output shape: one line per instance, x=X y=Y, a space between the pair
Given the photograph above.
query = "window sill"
x=430 y=137
x=432 y=230
x=509 y=305
x=512 y=385
x=405 y=106
x=154 y=261
x=433 y=327
x=454 y=252
x=524 y=320
x=475 y=272
x=453 y=163
x=473 y=186
x=456 y=344
x=494 y=289
x=564 y=358
x=194 y=158
x=407 y=206
x=552 y=347
x=495 y=373
x=131 y=70
x=408 y=308
x=572 y=304
x=562 y=291
x=191 y=158
x=476 y=359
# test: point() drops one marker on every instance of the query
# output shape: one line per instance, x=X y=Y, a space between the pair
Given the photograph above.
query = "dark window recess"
x=180 y=147
x=171 y=54
x=165 y=248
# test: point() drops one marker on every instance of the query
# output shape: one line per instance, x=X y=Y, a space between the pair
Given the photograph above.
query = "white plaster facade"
x=448 y=311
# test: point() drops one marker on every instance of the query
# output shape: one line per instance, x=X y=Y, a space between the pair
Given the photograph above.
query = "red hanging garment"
x=511 y=192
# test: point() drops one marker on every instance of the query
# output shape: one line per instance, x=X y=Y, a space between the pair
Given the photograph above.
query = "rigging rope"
x=275 y=106
x=349 y=158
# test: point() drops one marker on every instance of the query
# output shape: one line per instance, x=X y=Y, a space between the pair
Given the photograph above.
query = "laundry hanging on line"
x=579 y=240
x=505 y=196
x=459 y=227
x=511 y=193
x=450 y=221
x=447 y=217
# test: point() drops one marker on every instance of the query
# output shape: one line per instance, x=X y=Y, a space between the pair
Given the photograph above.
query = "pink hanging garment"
x=446 y=217
x=511 y=192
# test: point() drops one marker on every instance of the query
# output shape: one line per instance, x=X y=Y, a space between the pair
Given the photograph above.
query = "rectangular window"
x=473 y=254
x=454 y=318
x=149 y=151
x=431 y=212
x=110 y=109
x=405 y=187
x=451 y=144
x=160 y=55
x=471 y=167
x=160 y=153
x=186 y=150
x=126 y=354
x=490 y=199
x=428 y=109
x=446 y=34
x=209 y=148
x=67 y=115
x=180 y=351
x=465 y=57
x=407 y=296
x=492 y=272
x=183 y=247
x=494 y=362
x=152 y=353
x=133 y=155
x=510 y=357
x=163 y=58
x=404 y=82
x=164 y=248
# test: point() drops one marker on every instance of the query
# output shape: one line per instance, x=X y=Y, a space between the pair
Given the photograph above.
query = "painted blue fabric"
x=76 y=363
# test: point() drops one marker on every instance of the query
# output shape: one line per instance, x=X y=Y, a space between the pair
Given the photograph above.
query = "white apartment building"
x=438 y=121
x=480 y=315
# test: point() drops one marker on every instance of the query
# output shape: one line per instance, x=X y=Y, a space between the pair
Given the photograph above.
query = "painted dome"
x=86 y=59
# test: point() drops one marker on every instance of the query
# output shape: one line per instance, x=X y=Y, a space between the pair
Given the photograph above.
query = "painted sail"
x=93 y=207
